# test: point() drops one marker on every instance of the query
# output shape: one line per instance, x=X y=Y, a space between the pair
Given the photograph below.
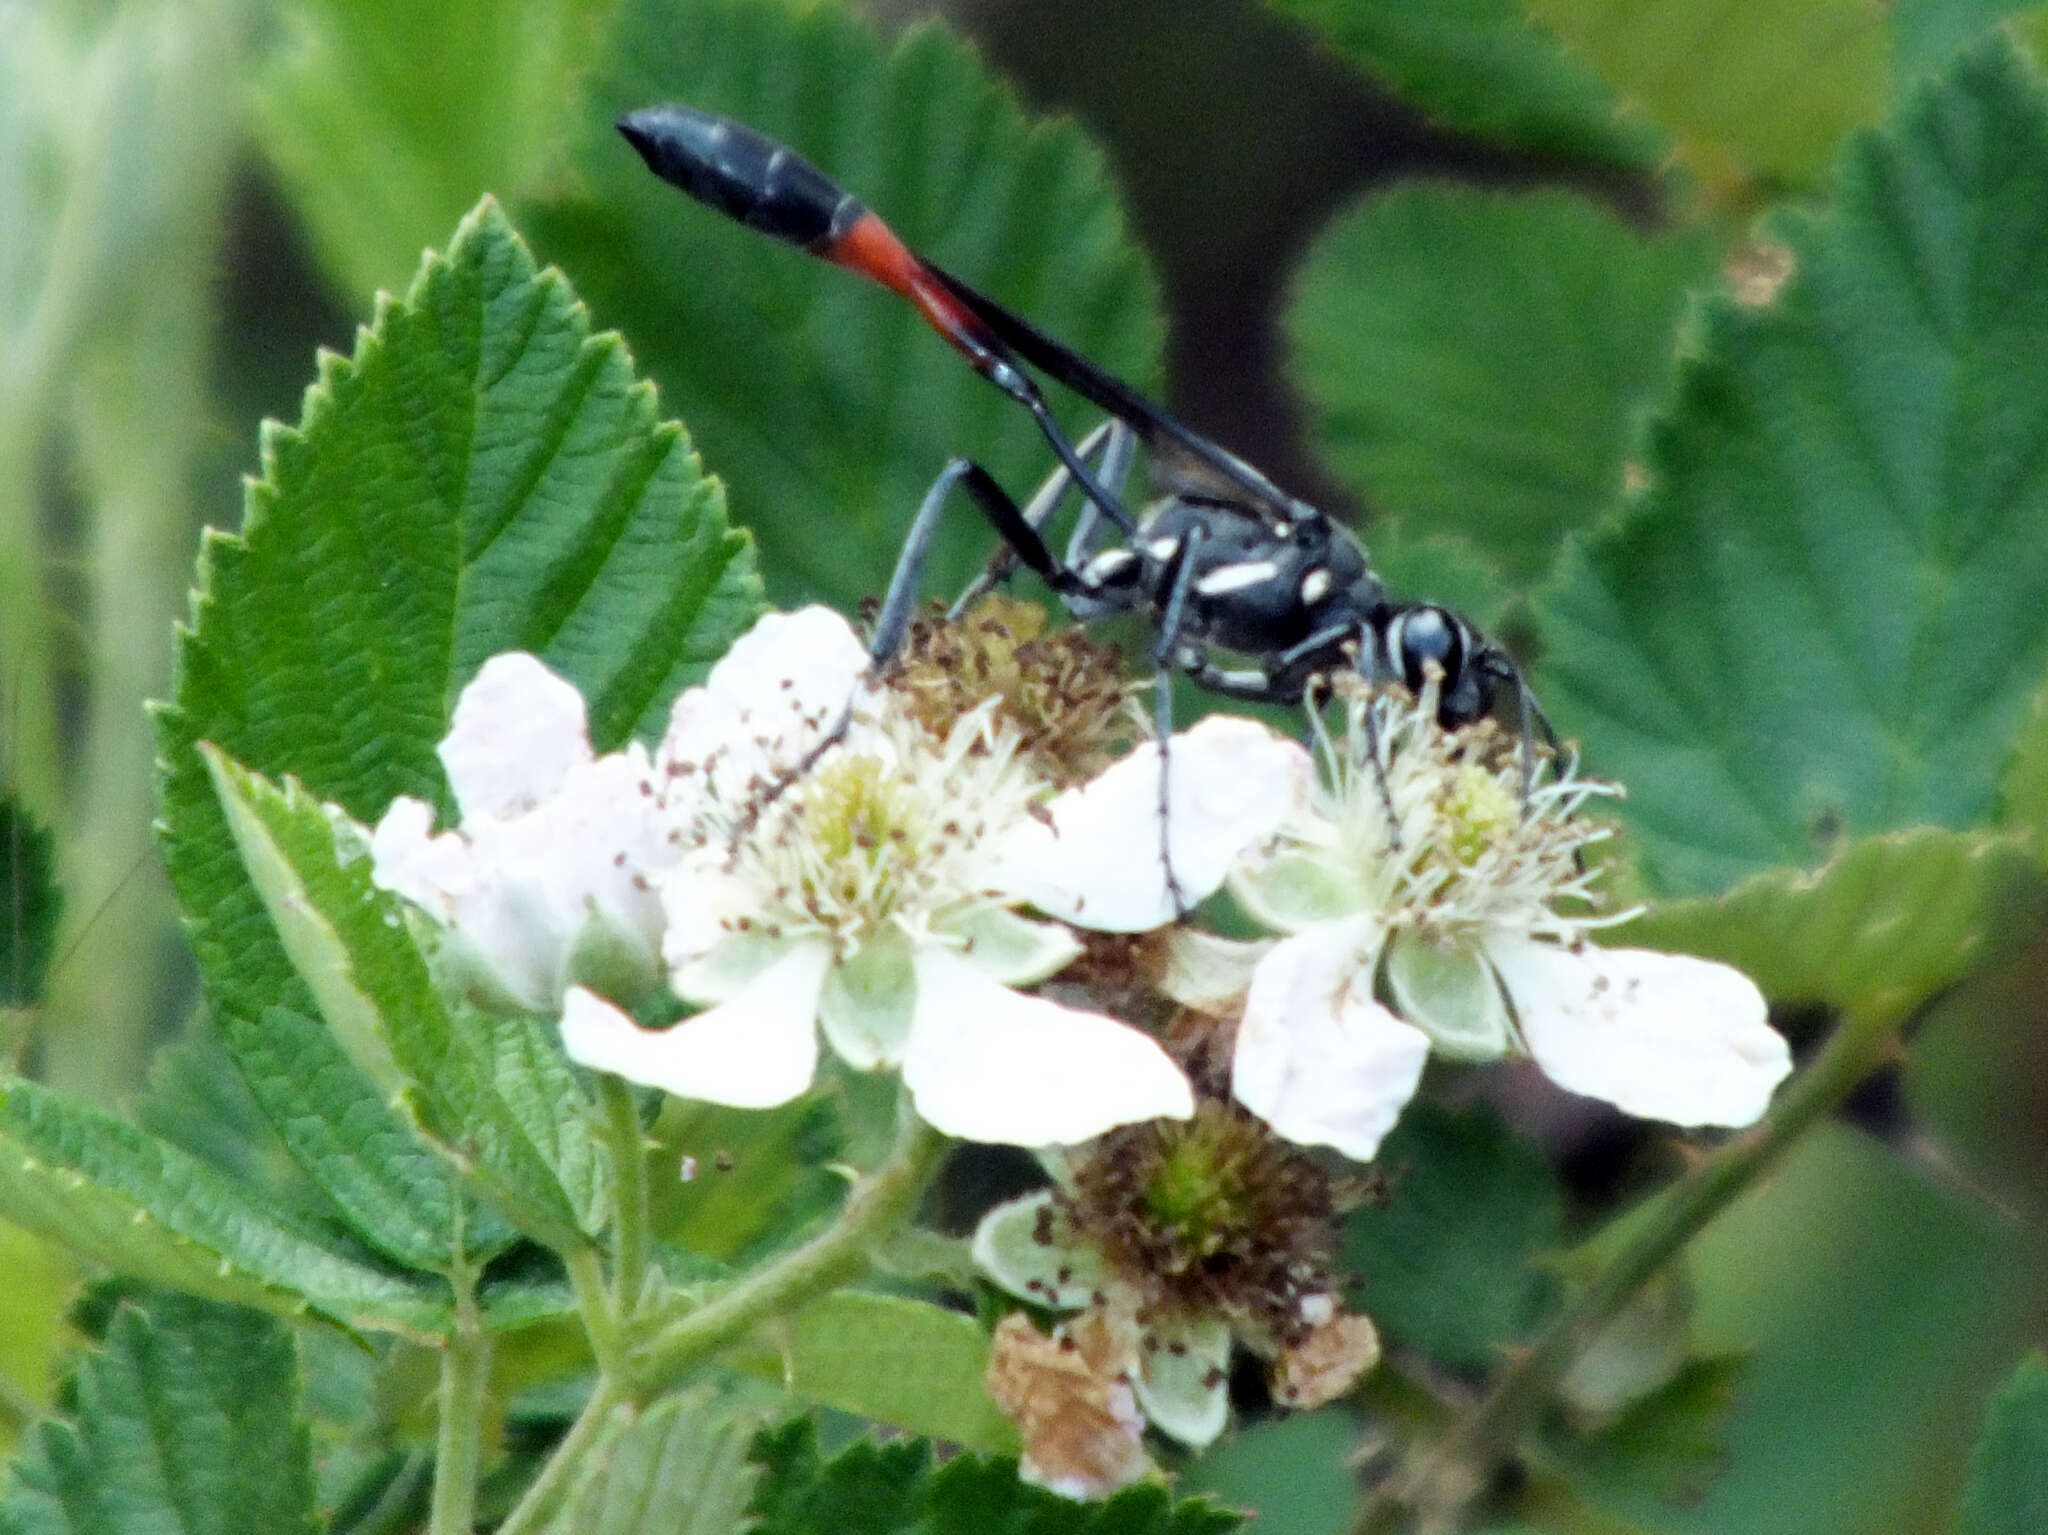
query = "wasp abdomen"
x=743 y=174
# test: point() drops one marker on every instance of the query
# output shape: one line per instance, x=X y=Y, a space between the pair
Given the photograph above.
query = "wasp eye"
x=1426 y=635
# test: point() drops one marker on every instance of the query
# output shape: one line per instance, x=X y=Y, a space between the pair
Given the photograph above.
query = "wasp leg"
x=1113 y=443
x=1277 y=683
x=1118 y=450
x=1019 y=537
x=900 y=602
x=1164 y=656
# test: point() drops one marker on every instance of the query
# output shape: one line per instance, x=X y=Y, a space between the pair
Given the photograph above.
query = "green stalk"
x=876 y=1209
x=1461 y=1465
x=879 y=1204
x=594 y=1306
x=465 y=1373
x=539 y=1499
x=628 y=1149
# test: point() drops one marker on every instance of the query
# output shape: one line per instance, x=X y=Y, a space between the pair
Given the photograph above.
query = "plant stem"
x=1461 y=1465
x=465 y=1372
x=538 y=1501
x=593 y=1305
x=878 y=1205
x=629 y=1193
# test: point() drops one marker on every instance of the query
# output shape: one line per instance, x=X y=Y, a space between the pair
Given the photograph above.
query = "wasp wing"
x=1183 y=461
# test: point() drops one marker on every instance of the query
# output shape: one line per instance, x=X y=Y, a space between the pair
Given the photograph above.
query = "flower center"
x=1478 y=813
x=1210 y=1216
x=857 y=813
x=887 y=829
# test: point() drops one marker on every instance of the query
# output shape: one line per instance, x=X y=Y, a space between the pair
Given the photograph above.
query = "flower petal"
x=1029 y=1248
x=782 y=686
x=1663 y=1036
x=1095 y=859
x=706 y=906
x=1182 y=1379
x=1072 y=1402
x=1317 y=1058
x=517 y=730
x=406 y=857
x=987 y=1064
x=757 y=1050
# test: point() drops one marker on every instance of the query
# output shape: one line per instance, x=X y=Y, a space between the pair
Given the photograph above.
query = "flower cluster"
x=970 y=869
x=811 y=851
x=893 y=861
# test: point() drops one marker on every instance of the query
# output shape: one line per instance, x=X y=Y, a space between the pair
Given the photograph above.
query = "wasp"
x=1222 y=561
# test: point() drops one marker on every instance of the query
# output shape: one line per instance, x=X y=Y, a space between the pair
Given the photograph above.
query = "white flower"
x=540 y=885
x=1450 y=910
x=865 y=885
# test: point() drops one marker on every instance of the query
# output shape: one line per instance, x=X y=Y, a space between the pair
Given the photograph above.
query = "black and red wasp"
x=1223 y=558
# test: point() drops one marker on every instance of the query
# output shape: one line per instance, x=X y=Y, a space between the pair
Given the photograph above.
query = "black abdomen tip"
x=743 y=174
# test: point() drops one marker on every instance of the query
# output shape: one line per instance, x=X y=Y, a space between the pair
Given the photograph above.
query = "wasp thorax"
x=1211 y=1216
x=1066 y=695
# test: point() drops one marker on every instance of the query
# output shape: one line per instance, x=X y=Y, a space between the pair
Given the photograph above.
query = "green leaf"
x=2008 y=1490
x=395 y=1192
x=1879 y=1305
x=906 y=1363
x=758 y=1176
x=1440 y=567
x=42 y=1280
x=143 y=1207
x=826 y=403
x=1672 y=1441
x=1928 y=34
x=1298 y=1472
x=1768 y=85
x=2023 y=791
x=1885 y=925
x=483 y=475
x=1480 y=66
x=498 y=1099
x=680 y=1468
x=384 y=119
x=871 y=1489
x=1823 y=616
x=30 y=904
x=198 y=1100
x=1476 y=359
x=1445 y=1264
x=188 y=1419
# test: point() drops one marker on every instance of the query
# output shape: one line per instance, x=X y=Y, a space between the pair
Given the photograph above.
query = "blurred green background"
x=195 y=196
